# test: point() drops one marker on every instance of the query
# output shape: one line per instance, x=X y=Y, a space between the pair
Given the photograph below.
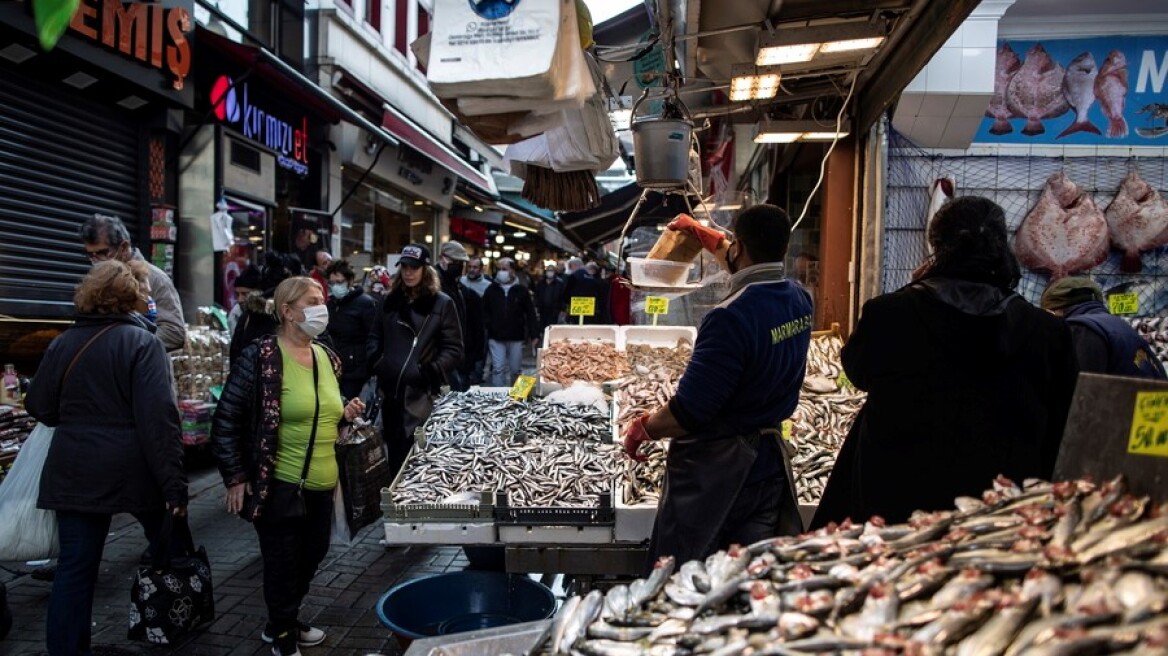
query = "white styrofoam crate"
x=633 y=523
x=657 y=335
x=441 y=533
x=555 y=534
x=605 y=334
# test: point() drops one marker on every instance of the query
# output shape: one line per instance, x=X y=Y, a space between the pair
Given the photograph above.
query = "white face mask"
x=316 y=319
x=339 y=289
x=504 y=277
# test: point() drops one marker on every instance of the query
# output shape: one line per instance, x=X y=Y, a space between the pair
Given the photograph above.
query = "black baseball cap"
x=414 y=255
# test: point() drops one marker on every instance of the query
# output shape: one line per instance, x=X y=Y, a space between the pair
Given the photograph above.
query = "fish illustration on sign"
x=1036 y=90
x=1007 y=65
x=1154 y=111
x=1137 y=220
x=1079 y=89
x=1111 y=90
x=1065 y=232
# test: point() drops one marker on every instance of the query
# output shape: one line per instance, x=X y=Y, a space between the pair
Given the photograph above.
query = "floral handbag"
x=170 y=598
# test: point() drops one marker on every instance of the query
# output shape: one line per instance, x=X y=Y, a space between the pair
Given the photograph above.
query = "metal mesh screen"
x=1015 y=183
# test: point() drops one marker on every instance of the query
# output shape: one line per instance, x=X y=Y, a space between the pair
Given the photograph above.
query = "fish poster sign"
x=1107 y=91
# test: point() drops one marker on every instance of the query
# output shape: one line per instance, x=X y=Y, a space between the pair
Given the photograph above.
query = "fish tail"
x=1117 y=127
x=1033 y=127
x=1079 y=126
x=1001 y=126
x=1131 y=262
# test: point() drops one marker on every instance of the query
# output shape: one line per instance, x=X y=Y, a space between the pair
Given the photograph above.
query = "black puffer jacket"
x=413 y=347
x=118 y=443
x=350 y=324
x=510 y=313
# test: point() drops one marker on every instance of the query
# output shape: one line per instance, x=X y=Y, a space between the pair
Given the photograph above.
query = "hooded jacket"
x=965 y=381
x=350 y=323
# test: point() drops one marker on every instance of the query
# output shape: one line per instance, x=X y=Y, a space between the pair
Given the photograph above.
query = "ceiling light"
x=824 y=136
x=802 y=44
x=851 y=44
x=519 y=235
x=508 y=248
x=419 y=202
x=17 y=54
x=753 y=83
x=79 y=80
x=791 y=131
x=478 y=208
x=776 y=137
x=429 y=239
x=774 y=55
x=499 y=239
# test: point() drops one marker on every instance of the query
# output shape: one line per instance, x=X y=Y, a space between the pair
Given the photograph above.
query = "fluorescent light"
x=499 y=239
x=478 y=208
x=824 y=136
x=752 y=83
x=419 y=202
x=775 y=55
x=508 y=247
x=518 y=227
x=520 y=235
x=777 y=137
x=792 y=131
x=851 y=44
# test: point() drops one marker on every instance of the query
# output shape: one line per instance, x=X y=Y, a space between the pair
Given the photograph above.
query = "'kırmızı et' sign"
x=150 y=32
x=233 y=105
x=1098 y=91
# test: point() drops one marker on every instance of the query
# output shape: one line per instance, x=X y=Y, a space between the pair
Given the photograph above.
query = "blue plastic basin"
x=463 y=601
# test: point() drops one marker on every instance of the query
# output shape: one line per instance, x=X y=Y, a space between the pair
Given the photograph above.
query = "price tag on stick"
x=582 y=306
x=522 y=388
x=656 y=306
x=1123 y=303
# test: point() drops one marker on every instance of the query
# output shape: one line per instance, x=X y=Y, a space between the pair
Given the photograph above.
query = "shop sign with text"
x=153 y=33
x=237 y=105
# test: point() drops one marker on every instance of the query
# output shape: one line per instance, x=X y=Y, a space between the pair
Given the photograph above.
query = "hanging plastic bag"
x=29 y=532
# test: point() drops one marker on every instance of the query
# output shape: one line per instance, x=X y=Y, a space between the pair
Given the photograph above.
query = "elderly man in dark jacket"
x=451 y=263
x=1104 y=344
x=966 y=380
x=511 y=320
x=351 y=315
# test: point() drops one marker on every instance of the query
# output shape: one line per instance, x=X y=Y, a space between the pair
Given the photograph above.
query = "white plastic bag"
x=29 y=533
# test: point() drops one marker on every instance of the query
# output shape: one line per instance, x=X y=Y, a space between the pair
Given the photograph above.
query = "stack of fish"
x=1042 y=569
x=477 y=419
x=596 y=362
x=643 y=481
x=1155 y=331
x=822 y=419
x=539 y=473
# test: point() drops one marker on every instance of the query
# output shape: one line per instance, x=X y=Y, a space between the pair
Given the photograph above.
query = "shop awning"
x=604 y=223
x=556 y=239
x=409 y=133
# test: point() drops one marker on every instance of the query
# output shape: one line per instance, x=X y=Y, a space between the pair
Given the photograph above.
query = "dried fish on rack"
x=538 y=473
x=596 y=362
x=477 y=419
x=1041 y=568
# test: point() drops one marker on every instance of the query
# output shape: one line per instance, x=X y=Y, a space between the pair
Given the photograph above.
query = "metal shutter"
x=63 y=157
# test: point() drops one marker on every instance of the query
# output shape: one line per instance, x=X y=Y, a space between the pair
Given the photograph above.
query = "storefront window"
x=378 y=220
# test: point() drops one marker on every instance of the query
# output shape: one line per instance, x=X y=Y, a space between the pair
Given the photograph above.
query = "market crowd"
x=966 y=380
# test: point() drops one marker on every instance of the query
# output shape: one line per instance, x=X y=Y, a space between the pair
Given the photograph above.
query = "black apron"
x=703 y=475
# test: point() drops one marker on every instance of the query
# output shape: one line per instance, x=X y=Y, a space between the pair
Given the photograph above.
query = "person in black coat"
x=966 y=380
x=585 y=282
x=549 y=294
x=105 y=385
x=416 y=342
x=452 y=260
x=351 y=315
x=511 y=320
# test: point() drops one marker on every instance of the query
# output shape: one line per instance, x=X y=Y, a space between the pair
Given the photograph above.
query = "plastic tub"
x=658 y=273
x=462 y=601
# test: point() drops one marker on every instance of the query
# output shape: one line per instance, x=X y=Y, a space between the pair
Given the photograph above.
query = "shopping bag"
x=171 y=597
x=364 y=470
x=29 y=532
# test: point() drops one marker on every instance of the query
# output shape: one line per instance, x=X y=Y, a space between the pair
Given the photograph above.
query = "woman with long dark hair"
x=416 y=342
x=965 y=379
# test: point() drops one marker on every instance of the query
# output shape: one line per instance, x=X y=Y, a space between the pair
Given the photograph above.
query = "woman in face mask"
x=273 y=436
x=351 y=313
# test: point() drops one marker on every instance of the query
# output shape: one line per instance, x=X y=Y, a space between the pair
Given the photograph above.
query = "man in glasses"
x=106 y=238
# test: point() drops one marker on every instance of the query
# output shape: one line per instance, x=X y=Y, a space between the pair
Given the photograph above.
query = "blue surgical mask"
x=339 y=289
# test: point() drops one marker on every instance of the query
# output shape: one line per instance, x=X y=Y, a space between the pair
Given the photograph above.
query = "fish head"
x=1008 y=60
x=1037 y=58
x=1084 y=64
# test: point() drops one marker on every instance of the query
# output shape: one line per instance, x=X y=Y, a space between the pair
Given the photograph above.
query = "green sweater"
x=296 y=410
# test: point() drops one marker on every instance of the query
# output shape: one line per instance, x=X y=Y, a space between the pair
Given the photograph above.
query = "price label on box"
x=522 y=388
x=1149 y=431
x=656 y=305
x=1123 y=303
x=582 y=306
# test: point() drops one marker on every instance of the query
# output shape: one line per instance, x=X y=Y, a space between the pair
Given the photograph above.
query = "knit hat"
x=1069 y=292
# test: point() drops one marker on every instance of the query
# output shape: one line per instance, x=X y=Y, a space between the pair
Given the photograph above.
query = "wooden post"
x=835 y=241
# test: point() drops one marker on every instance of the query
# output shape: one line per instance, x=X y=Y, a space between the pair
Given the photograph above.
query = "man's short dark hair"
x=765 y=232
x=342 y=267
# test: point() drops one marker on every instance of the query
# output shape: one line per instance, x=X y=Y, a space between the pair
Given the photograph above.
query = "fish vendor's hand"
x=635 y=436
x=711 y=239
x=354 y=409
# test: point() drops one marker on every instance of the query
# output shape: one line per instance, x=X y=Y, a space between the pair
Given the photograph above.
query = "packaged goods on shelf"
x=195 y=418
x=202 y=363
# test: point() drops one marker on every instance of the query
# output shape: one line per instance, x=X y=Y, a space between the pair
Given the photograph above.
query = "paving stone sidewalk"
x=341 y=601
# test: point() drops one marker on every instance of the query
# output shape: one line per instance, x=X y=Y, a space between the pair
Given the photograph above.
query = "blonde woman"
x=273 y=436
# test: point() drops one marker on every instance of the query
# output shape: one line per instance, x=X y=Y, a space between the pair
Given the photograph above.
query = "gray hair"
x=505 y=260
x=575 y=263
x=99 y=225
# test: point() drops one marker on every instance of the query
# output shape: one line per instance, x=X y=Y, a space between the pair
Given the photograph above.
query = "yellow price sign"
x=1149 y=431
x=1123 y=303
x=582 y=306
x=656 y=305
x=786 y=429
x=522 y=388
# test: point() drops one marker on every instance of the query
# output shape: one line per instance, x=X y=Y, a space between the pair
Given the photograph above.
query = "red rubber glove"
x=635 y=436
x=709 y=237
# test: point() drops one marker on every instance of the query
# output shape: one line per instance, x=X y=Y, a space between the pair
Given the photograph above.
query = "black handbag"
x=363 y=468
x=171 y=596
x=286 y=500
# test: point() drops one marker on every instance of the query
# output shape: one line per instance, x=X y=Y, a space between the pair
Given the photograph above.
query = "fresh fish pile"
x=1155 y=331
x=822 y=419
x=643 y=480
x=1043 y=569
x=477 y=419
x=596 y=362
x=652 y=381
x=538 y=473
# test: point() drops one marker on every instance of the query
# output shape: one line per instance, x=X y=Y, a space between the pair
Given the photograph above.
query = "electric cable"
x=823 y=164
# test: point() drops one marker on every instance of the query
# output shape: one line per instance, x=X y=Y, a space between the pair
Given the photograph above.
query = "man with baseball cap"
x=1104 y=343
x=452 y=259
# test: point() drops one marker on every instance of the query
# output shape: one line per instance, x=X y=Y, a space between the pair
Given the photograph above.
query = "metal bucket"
x=662 y=147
